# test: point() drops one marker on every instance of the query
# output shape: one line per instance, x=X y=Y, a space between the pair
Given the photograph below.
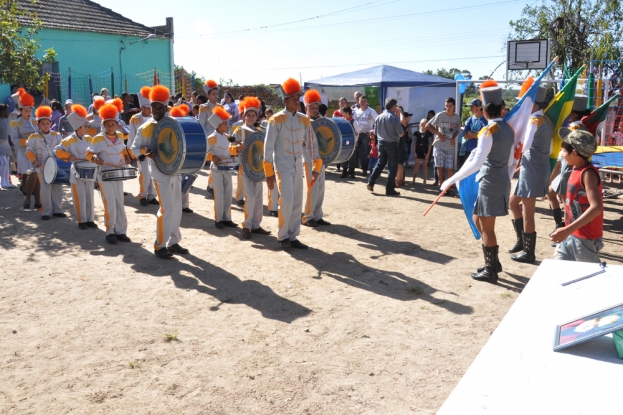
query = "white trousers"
x=169 y=215
x=290 y=203
x=147 y=190
x=82 y=193
x=253 y=193
x=114 y=210
x=5 y=180
x=273 y=199
x=185 y=199
x=315 y=195
x=222 y=186
x=51 y=197
x=239 y=183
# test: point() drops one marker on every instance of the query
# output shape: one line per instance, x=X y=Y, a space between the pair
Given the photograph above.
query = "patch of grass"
x=170 y=337
x=424 y=307
x=134 y=365
x=416 y=290
x=507 y=294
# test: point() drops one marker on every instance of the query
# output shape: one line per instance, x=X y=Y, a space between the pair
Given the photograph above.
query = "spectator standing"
x=9 y=101
x=445 y=126
x=357 y=96
x=388 y=129
x=348 y=116
x=373 y=157
x=365 y=117
x=57 y=114
x=402 y=145
x=423 y=147
x=104 y=94
x=472 y=126
x=65 y=127
x=339 y=112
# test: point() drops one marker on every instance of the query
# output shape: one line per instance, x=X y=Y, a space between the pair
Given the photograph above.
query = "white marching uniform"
x=168 y=189
x=20 y=130
x=81 y=190
x=252 y=191
x=315 y=193
x=39 y=147
x=113 y=154
x=286 y=137
x=218 y=145
x=205 y=111
x=273 y=199
x=147 y=189
x=5 y=153
x=95 y=125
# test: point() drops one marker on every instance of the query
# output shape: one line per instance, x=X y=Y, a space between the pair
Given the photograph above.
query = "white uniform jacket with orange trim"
x=205 y=111
x=41 y=146
x=135 y=122
x=286 y=137
x=143 y=142
x=113 y=154
x=73 y=146
x=20 y=130
x=218 y=145
x=241 y=133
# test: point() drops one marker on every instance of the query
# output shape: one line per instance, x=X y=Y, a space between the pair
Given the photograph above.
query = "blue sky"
x=255 y=42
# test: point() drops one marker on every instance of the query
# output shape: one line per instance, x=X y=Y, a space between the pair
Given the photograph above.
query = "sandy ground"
x=380 y=317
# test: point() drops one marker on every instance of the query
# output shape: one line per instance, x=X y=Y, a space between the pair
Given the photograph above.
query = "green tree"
x=451 y=73
x=579 y=30
x=18 y=47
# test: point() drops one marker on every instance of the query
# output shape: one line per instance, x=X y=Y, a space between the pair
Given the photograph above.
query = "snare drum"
x=124 y=173
x=181 y=146
x=335 y=138
x=56 y=171
x=85 y=170
x=252 y=157
x=187 y=182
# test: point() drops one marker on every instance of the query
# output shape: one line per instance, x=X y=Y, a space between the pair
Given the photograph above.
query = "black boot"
x=351 y=171
x=489 y=273
x=518 y=225
x=498 y=265
x=344 y=173
x=529 y=244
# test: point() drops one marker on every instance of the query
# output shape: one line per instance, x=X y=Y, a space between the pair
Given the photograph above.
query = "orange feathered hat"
x=78 y=116
x=312 y=96
x=161 y=94
x=490 y=93
x=251 y=104
x=109 y=112
x=143 y=97
x=117 y=102
x=209 y=86
x=179 y=111
x=98 y=102
x=43 y=112
x=25 y=99
x=290 y=88
x=525 y=87
x=219 y=115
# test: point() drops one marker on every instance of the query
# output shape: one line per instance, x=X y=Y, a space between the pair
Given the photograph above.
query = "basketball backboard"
x=527 y=54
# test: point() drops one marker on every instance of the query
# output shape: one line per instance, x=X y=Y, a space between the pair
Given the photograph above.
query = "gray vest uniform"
x=535 y=169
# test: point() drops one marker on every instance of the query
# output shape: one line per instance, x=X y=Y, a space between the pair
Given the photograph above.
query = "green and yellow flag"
x=559 y=109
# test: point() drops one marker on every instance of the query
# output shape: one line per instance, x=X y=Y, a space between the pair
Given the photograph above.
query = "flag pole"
x=435 y=201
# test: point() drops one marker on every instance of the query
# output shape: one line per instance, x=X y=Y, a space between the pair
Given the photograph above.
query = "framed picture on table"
x=589 y=327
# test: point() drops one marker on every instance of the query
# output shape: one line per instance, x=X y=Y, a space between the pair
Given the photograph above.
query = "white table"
x=517 y=371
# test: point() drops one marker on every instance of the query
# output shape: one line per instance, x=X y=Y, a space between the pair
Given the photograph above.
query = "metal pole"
x=69 y=83
x=112 y=81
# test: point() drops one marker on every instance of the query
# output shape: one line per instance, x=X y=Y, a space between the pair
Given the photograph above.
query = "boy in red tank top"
x=581 y=237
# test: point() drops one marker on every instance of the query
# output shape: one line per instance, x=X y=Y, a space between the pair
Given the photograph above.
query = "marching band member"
x=234 y=127
x=167 y=187
x=95 y=121
x=533 y=182
x=287 y=134
x=211 y=88
x=147 y=193
x=252 y=191
x=312 y=216
x=74 y=148
x=39 y=148
x=222 y=165
x=108 y=151
x=19 y=131
x=273 y=201
x=5 y=149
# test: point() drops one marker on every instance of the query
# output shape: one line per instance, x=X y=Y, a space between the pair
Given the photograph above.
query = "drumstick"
x=435 y=201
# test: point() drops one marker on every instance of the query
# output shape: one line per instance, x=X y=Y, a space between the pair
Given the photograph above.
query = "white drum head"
x=85 y=164
x=49 y=170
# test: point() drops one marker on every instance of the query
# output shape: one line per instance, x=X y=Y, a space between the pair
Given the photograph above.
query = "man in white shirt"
x=365 y=117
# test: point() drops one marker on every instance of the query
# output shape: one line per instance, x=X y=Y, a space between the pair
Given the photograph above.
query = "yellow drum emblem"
x=326 y=140
x=255 y=156
x=167 y=145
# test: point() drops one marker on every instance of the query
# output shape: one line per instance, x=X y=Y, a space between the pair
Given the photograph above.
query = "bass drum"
x=252 y=157
x=56 y=171
x=187 y=182
x=181 y=146
x=335 y=138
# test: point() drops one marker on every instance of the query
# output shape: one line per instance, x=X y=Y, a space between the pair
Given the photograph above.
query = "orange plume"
x=159 y=93
x=117 y=102
x=179 y=111
x=241 y=107
x=488 y=84
x=311 y=95
x=25 y=99
x=98 y=102
x=108 y=112
x=251 y=102
x=80 y=110
x=43 y=112
x=145 y=92
x=211 y=84
x=291 y=86
x=526 y=86
x=221 y=112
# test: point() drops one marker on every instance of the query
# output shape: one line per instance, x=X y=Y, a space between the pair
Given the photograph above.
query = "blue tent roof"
x=382 y=76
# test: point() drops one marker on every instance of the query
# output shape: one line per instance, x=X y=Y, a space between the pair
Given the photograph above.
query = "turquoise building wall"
x=90 y=53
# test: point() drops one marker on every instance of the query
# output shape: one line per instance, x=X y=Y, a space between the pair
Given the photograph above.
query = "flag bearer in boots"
x=533 y=179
